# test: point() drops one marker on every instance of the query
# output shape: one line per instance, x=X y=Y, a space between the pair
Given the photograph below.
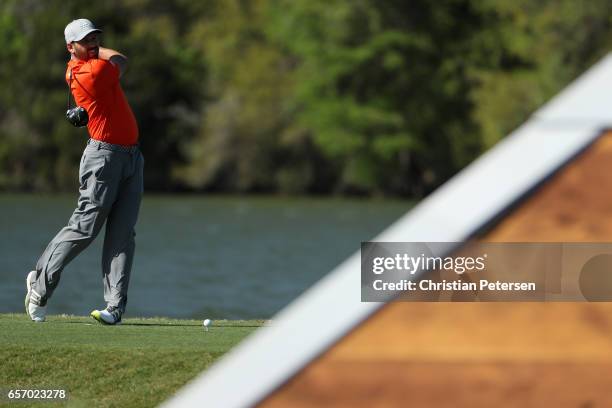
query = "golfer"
x=110 y=177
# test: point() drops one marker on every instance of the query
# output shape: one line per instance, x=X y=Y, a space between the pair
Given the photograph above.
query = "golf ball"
x=206 y=322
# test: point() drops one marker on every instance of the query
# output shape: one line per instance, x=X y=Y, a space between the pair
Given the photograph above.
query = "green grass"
x=137 y=364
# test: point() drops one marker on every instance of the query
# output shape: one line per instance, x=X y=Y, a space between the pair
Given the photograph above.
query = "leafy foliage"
x=297 y=96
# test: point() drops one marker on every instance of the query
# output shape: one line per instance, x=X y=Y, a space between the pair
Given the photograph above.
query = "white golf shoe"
x=111 y=315
x=37 y=313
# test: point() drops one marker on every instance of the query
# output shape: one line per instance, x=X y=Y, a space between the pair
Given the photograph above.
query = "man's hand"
x=114 y=57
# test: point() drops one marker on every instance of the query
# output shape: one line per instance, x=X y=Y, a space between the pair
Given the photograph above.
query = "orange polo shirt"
x=95 y=87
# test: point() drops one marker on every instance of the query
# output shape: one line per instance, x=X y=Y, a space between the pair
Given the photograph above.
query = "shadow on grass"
x=233 y=326
x=188 y=325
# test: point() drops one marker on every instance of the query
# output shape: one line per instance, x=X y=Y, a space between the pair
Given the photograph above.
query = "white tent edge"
x=566 y=125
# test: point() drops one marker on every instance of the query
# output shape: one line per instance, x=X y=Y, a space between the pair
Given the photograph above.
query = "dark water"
x=220 y=257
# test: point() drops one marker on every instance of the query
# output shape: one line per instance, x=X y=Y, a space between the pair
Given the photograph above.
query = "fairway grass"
x=137 y=364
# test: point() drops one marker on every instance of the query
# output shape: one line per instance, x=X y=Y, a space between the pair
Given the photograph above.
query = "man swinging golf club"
x=110 y=176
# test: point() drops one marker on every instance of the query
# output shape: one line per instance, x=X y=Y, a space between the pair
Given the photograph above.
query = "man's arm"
x=114 y=57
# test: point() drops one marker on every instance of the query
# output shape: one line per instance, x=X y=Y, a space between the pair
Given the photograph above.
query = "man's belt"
x=113 y=147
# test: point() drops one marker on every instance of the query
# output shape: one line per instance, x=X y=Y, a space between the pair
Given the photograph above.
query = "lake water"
x=214 y=256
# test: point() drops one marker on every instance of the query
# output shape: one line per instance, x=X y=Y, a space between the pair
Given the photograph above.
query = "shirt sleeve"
x=104 y=74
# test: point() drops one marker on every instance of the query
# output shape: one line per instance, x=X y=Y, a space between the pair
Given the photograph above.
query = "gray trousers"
x=111 y=187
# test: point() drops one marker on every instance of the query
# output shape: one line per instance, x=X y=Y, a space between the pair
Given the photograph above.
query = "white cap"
x=76 y=30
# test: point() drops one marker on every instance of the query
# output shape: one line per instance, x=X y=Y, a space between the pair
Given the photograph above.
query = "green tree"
x=299 y=96
x=242 y=144
x=536 y=48
x=39 y=150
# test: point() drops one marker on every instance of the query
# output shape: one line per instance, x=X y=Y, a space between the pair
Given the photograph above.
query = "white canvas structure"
x=552 y=137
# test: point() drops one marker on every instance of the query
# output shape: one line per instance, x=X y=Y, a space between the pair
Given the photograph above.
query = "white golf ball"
x=206 y=322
